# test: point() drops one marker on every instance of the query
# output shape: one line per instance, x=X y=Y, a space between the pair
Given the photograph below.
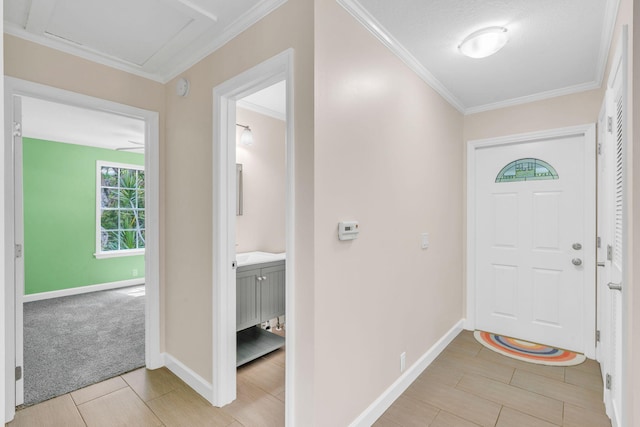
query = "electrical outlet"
x=403 y=359
x=134 y=272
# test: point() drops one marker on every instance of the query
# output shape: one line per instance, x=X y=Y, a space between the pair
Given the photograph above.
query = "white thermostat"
x=348 y=230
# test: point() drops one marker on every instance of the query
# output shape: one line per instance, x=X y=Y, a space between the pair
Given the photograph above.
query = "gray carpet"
x=71 y=342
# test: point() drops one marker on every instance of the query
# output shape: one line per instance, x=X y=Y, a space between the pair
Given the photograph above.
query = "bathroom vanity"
x=260 y=296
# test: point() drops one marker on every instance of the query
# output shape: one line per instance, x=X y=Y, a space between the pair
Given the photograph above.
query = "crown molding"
x=170 y=69
x=609 y=26
x=583 y=87
x=254 y=15
x=371 y=24
x=261 y=110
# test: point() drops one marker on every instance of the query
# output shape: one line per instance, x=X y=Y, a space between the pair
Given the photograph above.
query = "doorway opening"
x=227 y=186
x=34 y=169
x=82 y=175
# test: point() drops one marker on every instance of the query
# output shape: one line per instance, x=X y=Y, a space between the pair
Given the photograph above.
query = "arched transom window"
x=527 y=170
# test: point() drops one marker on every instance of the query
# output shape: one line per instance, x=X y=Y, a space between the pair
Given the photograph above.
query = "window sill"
x=117 y=254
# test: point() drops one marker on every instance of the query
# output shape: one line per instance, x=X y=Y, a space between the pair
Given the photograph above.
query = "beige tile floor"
x=159 y=398
x=470 y=385
x=467 y=385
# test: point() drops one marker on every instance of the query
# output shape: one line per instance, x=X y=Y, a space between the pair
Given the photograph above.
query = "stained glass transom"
x=527 y=170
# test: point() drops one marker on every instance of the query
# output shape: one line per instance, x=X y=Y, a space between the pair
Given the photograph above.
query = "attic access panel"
x=134 y=36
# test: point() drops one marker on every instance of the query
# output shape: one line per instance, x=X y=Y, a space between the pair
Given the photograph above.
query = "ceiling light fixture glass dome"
x=485 y=42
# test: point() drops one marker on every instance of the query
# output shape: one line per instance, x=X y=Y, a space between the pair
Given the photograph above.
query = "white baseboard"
x=193 y=380
x=83 y=289
x=386 y=399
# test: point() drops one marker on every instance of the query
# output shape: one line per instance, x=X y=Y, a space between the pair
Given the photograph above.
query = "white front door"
x=535 y=248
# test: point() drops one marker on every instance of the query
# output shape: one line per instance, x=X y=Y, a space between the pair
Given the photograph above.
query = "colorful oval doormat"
x=527 y=351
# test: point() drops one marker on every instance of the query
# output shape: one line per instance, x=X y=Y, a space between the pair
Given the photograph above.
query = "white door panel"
x=527 y=284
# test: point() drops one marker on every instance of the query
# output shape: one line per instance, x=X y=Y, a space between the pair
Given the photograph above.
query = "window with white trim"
x=120 y=208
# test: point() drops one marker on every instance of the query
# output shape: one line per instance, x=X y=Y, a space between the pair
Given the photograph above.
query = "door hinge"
x=18 y=251
x=609 y=124
x=608 y=382
x=597 y=336
x=599 y=242
x=609 y=253
x=234 y=264
x=17 y=129
x=599 y=147
x=18 y=373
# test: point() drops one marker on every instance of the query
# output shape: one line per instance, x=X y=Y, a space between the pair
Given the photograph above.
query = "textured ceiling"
x=73 y=125
x=157 y=39
x=271 y=101
x=555 y=47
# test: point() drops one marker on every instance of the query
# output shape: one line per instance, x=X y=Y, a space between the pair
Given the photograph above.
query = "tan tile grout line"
x=502 y=405
x=78 y=410
x=97 y=397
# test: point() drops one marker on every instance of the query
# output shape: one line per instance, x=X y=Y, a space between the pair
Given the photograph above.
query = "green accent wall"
x=59 y=186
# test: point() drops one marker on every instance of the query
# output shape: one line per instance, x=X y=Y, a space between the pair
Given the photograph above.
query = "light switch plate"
x=424 y=240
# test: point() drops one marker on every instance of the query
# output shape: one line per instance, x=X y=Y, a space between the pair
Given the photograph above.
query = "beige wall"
x=189 y=216
x=261 y=227
x=388 y=154
x=36 y=63
x=562 y=111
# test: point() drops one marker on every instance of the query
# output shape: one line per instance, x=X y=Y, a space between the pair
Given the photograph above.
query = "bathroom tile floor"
x=467 y=385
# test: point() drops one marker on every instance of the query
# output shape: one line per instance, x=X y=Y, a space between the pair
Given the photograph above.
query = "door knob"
x=576 y=246
x=576 y=261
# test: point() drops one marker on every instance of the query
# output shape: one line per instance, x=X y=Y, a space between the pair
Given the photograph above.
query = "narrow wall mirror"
x=239 y=192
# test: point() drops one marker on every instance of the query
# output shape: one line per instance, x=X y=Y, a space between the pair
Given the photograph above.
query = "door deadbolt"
x=576 y=246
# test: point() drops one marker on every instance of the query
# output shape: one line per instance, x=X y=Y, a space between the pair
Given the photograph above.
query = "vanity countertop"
x=250 y=258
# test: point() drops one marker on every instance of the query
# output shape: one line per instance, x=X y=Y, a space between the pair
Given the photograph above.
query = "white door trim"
x=588 y=131
x=225 y=95
x=16 y=87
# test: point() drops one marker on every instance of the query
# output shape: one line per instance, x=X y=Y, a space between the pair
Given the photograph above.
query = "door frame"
x=588 y=132
x=602 y=231
x=225 y=95
x=14 y=296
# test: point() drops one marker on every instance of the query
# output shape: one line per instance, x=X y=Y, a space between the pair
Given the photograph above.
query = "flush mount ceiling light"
x=485 y=42
x=246 y=138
